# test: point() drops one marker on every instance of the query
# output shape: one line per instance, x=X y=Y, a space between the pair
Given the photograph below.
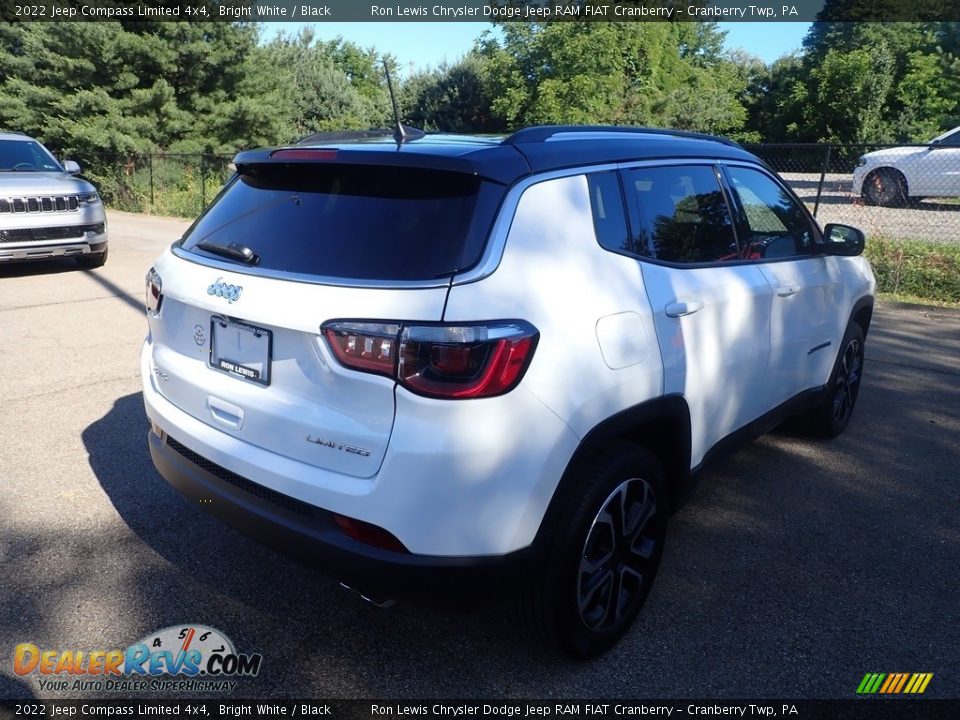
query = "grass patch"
x=916 y=269
x=914 y=300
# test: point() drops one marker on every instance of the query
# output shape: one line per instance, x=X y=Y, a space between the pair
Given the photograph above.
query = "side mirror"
x=70 y=167
x=843 y=240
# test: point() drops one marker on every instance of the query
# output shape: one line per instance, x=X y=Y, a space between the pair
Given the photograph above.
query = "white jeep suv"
x=462 y=366
x=45 y=210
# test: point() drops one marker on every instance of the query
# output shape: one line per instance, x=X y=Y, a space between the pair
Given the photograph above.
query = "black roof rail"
x=541 y=133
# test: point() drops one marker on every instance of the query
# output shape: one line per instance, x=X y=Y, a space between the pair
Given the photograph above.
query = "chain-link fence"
x=164 y=184
x=896 y=192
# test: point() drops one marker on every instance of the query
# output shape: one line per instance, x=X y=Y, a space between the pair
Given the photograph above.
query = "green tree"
x=851 y=91
x=617 y=73
x=452 y=98
x=315 y=94
x=876 y=82
x=364 y=68
x=127 y=88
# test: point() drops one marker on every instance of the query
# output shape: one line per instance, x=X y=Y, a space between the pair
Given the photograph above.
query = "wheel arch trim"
x=669 y=415
x=862 y=313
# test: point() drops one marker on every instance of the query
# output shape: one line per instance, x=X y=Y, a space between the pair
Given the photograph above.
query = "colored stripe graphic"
x=894 y=683
x=903 y=680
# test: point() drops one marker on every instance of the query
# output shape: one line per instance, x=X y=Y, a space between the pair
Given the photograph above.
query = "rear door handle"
x=679 y=309
x=787 y=290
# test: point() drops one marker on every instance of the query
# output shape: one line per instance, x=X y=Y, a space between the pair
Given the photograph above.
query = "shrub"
x=926 y=270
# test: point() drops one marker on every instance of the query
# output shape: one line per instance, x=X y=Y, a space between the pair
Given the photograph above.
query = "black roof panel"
x=505 y=160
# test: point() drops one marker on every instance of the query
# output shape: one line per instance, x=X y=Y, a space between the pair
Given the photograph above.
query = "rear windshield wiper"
x=233 y=251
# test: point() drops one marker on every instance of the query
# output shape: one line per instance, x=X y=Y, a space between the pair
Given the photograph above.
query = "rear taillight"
x=438 y=360
x=364 y=346
x=464 y=361
x=154 y=291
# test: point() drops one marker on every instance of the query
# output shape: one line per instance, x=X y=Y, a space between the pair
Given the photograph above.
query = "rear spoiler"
x=500 y=163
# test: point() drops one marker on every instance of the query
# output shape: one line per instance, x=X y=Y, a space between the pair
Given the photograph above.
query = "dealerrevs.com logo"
x=189 y=658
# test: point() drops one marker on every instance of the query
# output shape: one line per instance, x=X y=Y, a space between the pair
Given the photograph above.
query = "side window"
x=681 y=214
x=609 y=220
x=776 y=225
x=952 y=140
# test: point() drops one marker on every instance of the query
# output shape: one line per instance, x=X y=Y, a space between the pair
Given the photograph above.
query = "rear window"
x=352 y=222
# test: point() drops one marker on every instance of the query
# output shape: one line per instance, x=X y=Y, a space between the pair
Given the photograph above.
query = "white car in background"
x=895 y=176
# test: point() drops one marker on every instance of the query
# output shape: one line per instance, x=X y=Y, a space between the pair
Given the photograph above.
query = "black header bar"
x=887 y=708
x=758 y=11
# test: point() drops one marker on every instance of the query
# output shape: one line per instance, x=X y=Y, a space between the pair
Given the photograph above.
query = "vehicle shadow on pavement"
x=797 y=567
x=13 y=689
x=39 y=267
x=266 y=602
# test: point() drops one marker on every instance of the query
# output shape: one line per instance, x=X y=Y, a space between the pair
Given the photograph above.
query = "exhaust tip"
x=378 y=602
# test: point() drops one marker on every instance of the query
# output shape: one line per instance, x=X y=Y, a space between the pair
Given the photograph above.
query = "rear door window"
x=352 y=222
x=680 y=214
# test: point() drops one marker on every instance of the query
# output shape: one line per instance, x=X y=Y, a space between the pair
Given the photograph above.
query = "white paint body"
x=475 y=477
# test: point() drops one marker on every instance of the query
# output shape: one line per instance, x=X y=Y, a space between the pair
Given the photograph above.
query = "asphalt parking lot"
x=796 y=568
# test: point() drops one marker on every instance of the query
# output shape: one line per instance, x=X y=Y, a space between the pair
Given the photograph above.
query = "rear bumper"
x=310 y=534
x=90 y=243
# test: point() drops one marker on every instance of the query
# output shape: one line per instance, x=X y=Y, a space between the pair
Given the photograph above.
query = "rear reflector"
x=455 y=361
x=369 y=534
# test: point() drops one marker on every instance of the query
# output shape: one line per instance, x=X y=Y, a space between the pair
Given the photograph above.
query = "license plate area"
x=241 y=350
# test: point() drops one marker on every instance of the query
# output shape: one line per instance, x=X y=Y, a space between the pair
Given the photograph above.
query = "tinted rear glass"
x=352 y=222
x=683 y=216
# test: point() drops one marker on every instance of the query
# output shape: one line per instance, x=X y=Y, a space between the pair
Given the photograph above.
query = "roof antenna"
x=401 y=133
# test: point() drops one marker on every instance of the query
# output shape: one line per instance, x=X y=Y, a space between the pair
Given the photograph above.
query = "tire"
x=885 y=187
x=92 y=260
x=832 y=415
x=600 y=568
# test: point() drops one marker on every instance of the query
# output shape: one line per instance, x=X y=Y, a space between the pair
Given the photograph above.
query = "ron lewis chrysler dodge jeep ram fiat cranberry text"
x=461 y=365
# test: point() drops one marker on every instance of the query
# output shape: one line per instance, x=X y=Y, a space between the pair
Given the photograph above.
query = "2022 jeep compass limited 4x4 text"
x=45 y=211
x=478 y=366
